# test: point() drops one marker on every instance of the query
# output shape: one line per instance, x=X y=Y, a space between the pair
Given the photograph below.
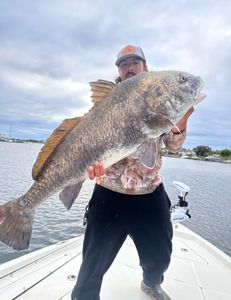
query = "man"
x=129 y=199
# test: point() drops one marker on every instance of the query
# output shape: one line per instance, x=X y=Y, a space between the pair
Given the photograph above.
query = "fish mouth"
x=200 y=96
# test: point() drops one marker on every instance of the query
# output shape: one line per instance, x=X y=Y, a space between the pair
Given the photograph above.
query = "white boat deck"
x=198 y=271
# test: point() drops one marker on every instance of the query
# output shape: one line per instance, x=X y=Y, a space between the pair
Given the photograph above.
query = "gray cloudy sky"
x=50 y=50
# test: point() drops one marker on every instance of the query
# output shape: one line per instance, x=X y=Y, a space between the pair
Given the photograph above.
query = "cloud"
x=50 y=50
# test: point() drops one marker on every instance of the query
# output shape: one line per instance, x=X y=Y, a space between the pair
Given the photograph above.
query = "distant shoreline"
x=176 y=155
x=210 y=159
x=7 y=140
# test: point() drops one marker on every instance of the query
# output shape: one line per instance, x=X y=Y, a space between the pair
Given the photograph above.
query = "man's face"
x=131 y=66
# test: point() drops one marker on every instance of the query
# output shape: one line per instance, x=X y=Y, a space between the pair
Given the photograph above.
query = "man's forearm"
x=182 y=123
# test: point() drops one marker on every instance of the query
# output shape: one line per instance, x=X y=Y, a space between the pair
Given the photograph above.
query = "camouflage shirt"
x=131 y=176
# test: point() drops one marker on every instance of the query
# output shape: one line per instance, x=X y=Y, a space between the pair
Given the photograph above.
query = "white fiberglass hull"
x=198 y=270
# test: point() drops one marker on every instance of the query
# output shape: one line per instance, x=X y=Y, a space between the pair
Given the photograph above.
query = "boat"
x=198 y=270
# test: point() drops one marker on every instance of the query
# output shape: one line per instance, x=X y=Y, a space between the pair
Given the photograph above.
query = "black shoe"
x=156 y=292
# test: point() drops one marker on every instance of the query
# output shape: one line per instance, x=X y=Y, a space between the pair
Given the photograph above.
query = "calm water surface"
x=209 y=198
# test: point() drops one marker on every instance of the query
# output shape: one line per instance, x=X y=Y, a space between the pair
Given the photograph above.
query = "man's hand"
x=96 y=170
x=182 y=123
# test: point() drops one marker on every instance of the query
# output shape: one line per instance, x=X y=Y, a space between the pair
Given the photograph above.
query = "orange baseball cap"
x=130 y=51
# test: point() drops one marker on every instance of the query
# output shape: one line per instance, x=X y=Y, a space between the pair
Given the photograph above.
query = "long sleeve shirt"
x=131 y=176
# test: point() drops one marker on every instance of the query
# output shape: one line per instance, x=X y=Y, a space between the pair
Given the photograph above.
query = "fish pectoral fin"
x=69 y=194
x=147 y=153
x=158 y=123
x=100 y=89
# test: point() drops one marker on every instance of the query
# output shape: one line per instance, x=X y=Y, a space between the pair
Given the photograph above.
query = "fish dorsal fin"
x=51 y=144
x=100 y=89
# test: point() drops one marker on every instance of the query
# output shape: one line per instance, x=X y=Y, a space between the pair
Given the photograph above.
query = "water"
x=209 y=198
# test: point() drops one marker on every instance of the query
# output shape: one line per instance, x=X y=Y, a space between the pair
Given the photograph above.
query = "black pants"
x=112 y=216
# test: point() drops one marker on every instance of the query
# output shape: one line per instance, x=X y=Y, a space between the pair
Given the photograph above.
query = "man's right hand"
x=96 y=170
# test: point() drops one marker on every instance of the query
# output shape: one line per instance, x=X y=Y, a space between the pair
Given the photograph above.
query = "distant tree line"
x=204 y=151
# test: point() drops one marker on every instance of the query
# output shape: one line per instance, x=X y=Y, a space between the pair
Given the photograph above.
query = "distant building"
x=3 y=138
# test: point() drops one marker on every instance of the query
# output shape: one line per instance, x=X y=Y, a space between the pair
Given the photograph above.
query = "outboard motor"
x=179 y=211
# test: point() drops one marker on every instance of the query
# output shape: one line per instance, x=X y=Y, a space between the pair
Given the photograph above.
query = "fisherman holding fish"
x=130 y=199
x=118 y=142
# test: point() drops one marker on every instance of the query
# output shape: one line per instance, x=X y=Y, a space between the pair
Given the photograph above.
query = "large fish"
x=142 y=107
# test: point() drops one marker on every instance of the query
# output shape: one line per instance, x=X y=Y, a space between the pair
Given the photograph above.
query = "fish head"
x=173 y=93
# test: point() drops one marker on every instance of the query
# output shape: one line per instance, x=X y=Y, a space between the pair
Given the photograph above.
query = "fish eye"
x=183 y=78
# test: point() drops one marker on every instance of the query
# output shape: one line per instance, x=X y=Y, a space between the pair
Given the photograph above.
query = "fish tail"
x=15 y=224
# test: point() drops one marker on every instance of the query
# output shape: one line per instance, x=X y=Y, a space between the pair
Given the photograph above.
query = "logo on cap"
x=129 y=51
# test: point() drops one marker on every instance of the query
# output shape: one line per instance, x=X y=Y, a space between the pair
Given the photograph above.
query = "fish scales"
x=147 y=105
x=96 y=136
